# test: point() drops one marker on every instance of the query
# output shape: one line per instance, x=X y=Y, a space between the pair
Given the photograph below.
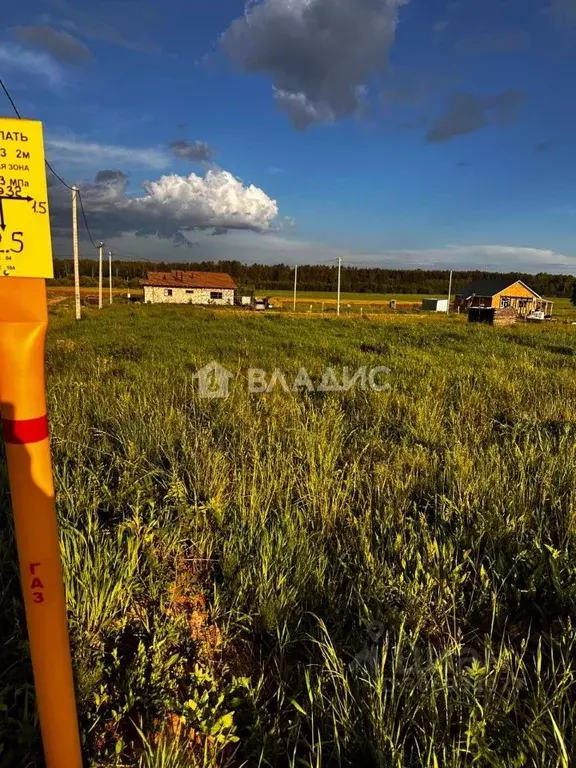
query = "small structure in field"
x=502 y=294
x=491 y=316
x=435 y=305
x=180 y=287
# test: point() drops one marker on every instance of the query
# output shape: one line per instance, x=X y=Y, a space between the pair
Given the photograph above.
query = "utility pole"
x=449 y=293
x=295 y=284
x=339 y=283
x=100 y=254
x=110 y=273
x=75 y=249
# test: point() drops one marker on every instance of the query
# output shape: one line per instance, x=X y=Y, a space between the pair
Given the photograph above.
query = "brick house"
x=180 y=287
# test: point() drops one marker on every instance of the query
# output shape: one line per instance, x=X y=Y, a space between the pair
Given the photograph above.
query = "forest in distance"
x=318 y=277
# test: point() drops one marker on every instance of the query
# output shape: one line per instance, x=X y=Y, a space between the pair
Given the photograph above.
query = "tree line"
x=323 y=277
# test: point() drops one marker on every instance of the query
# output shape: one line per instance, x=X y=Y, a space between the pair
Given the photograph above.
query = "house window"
x=216 y=294
x=167 y=291
x=189 y=291
x=505 y=301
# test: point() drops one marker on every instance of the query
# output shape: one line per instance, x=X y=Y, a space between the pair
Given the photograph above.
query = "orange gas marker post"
x=23 y=324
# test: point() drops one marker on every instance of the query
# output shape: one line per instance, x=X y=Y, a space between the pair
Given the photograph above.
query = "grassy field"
x=372 y=298
x=311 y=301
x=361 y=578
x=367 y=298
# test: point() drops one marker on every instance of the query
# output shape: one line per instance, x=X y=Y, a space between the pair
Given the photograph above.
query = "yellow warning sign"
x=25 y=242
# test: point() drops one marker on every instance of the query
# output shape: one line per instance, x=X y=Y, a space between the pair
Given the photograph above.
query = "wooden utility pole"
x=339 y=282
x=76 y=256
x=449 y=293
x=110 y=273
x=100 y=255
x=295 y=284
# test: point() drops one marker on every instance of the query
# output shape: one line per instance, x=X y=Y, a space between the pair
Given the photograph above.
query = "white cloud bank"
x=276 y=248
x=494 y=258
x=92 y=154
x=72 y=150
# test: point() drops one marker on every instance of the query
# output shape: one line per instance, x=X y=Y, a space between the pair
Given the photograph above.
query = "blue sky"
x=426 y=133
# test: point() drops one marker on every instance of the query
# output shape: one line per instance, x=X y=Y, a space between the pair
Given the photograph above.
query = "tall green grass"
x=224 y=559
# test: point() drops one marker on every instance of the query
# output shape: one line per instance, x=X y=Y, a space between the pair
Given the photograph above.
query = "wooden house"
x=502 y=294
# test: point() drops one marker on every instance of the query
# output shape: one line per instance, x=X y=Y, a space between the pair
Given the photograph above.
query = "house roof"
x=489 y=288
x=182 y=279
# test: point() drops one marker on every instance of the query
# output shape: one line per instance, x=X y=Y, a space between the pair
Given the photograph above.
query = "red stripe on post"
x=25 y=431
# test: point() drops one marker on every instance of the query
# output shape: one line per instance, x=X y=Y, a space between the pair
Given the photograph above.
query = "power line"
x=10 y=99
x=19 y=116
x=60 y=179
x=321 y=263
x=130 y=255
x=120 y=251
x=85 y=219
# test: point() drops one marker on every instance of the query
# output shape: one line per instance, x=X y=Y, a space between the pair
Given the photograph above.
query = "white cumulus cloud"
x=216 y=200
x=171 y=205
